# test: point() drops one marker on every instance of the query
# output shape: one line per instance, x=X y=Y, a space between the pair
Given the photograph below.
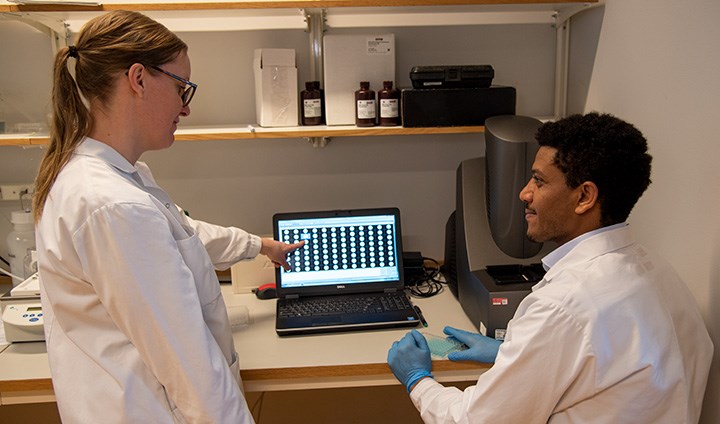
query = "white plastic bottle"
x=30 y=263
x=20 y=239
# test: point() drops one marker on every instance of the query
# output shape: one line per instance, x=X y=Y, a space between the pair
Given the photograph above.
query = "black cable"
x=4 y=260
x=427 y=284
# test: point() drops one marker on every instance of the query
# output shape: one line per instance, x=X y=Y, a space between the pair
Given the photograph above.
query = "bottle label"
x=366 y=109
x=389 y=108
x=312 y=108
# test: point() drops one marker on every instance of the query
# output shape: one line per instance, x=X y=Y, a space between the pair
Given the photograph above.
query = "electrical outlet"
x=13 y=191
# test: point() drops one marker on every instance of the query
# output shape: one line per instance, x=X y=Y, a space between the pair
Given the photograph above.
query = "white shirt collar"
x=553 y=257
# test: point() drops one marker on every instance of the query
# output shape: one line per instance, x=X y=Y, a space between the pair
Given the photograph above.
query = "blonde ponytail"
x=70 y=123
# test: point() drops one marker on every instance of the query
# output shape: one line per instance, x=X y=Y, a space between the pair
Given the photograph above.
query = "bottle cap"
x=21 y=217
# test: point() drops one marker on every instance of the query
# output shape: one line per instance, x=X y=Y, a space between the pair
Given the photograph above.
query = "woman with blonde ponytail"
x=136 y=327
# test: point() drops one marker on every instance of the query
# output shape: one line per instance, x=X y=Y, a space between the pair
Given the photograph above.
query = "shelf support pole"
x=562 y=45
x=316 y=20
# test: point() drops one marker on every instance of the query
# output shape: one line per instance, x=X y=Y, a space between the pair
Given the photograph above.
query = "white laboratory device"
x=22 y=314
x=23 y=322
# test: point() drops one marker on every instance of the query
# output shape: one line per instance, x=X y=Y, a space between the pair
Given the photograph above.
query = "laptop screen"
x=343 y=251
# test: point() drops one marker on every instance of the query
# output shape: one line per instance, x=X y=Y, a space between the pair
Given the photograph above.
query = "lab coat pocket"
x=178 y=226
x=197 y=260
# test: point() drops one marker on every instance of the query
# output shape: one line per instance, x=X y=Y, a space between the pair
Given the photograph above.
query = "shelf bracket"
x=563 y=15
x=318 y=142
x=56 y=29
x=562 y=51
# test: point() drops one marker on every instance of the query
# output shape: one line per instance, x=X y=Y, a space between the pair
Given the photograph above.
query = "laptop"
x=347 y=276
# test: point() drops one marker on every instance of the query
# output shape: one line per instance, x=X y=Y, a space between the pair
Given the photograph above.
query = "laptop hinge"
x=292 y=296
x=391 y=290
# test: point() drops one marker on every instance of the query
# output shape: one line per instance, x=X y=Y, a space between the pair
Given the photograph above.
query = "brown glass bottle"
x=365 y=111
x=312 y=104
x=389 y=100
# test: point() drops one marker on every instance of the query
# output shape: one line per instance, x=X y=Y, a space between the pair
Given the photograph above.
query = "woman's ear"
x=136 y=78
x=587 y=197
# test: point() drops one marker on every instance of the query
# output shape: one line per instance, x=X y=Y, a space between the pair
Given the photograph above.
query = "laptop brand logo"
x=341 y=286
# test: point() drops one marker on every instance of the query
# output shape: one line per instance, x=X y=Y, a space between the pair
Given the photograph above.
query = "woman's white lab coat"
x=610 y=335
x=136 y=328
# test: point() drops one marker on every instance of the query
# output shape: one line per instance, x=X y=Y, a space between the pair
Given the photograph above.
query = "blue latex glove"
x=480 y=348
x=409 y=359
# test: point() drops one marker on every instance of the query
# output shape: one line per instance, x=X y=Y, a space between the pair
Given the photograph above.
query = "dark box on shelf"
x=455 y=107
x=459 y=76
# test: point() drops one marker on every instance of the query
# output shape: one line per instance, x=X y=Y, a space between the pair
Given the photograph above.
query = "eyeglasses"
x=190 y=87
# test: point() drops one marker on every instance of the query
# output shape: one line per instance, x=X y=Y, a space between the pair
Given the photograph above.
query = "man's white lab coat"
x=610 y=335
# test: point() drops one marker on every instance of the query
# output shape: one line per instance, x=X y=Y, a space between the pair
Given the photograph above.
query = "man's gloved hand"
x=409 y=359
x=480 y=348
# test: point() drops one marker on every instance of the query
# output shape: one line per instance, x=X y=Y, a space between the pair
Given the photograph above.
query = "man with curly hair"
x=611 y=334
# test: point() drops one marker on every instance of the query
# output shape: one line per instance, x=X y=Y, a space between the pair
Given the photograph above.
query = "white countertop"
x=269 y=362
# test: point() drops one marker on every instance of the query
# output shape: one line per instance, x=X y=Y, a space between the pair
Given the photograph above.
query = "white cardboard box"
x=349 y=59
x=276 y=87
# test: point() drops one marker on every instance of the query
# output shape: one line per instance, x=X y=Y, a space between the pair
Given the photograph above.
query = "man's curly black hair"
x=605 y=150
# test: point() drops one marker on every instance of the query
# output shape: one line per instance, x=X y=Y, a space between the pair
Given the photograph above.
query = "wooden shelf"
x=218 y=15
x=227 y=5
x=256 y=133
x=189 y=134
x=191 y=16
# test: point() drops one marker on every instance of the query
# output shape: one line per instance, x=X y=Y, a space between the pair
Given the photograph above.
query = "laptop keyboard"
x=351 y=304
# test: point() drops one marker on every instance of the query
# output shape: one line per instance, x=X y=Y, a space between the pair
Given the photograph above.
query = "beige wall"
x=655 y=63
